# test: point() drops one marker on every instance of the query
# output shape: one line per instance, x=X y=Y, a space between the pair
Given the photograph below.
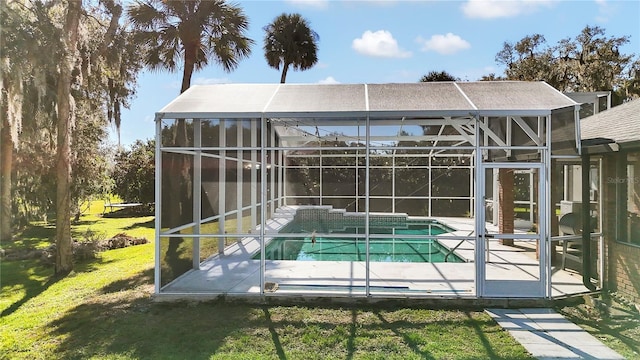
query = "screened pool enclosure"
x=363 y=190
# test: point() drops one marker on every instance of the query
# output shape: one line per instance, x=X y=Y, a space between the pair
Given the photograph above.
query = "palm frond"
x=203 y=29
x=147 y=14
x=289 y=40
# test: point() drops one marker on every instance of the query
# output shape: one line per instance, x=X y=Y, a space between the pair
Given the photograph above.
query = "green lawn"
x=104 y=310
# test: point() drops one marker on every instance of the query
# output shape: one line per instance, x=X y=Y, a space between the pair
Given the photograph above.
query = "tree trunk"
x=5 y=179
x=64 y=255
x=506 y=198
x=180 y=180
x=189 y=65
x=179 y=177
x=283 y=77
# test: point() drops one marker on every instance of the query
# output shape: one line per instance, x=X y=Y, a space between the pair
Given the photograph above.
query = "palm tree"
x=289 y=41
x=190 y=33
x=187 y=33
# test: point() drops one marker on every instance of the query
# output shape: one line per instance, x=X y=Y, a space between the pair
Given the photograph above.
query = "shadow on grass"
x=605 y=326
x=351 y=346
x=129 y=213
x=399 y=329
x=25 y=273
x=143 y=278
x=143 y=224
x=85 y=222
x=274 y=334
x=89 y=265
x=35 y=277
x=481 y=335
x=125 y=321
x=429 y=339
x=34 y=235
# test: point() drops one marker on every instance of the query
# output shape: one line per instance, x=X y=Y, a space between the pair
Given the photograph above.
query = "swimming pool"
x=339 y=244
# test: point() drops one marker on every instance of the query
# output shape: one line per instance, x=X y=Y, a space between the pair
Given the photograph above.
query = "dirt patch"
x=122 y=240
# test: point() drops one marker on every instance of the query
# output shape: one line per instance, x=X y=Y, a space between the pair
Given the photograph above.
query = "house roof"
x=489 y=98
x=620 y=124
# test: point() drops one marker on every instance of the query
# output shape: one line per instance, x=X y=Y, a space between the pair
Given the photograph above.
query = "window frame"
x=623 y=181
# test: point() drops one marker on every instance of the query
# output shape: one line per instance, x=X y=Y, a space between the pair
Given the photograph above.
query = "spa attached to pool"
x=369 y=191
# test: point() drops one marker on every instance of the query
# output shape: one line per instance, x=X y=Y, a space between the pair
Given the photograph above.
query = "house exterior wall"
x=624 y=269
x=622 y=265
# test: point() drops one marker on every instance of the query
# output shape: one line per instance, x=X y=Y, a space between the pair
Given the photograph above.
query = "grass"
x=103 y=310
x=609 y=318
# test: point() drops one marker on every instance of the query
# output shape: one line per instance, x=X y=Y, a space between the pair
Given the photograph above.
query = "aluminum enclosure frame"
x=469 y=122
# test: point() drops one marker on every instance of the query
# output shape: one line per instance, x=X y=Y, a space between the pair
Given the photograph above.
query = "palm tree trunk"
x=64 y=255
x=179 y=177
x=179 y=182
x=283 y=77
x=189 y=64
x=5 y=179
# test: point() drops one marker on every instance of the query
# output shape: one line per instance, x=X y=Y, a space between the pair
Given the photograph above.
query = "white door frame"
x=511 y=287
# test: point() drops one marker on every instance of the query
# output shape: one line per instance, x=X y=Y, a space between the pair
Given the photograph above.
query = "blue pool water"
x=312 y=246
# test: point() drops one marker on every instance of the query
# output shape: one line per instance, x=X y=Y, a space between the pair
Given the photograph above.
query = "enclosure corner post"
x=158 y=200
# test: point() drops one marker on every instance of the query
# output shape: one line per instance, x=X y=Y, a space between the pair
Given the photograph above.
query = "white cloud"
x=318 y=4
x=329 y=80
x=605 y=11
x=444 y=44
x=491 y=9
x=379 y=44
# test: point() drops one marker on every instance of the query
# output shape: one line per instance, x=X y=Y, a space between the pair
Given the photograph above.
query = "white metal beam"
x=197 y=193
x=528 y=130
x=222 y=180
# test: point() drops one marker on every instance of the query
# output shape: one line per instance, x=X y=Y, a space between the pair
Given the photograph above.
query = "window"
x=632 y=185
x=628 y=184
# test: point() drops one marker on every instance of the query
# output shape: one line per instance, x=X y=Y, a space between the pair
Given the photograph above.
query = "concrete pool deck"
x=235 y=272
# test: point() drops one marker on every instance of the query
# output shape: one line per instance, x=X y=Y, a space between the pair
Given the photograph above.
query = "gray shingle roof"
x=620 y=123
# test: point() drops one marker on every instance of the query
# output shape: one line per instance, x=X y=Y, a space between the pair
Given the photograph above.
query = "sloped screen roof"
x=318 y=99
x=223 y=100
x=313 y=100
x=514 y=95
x=444 y=96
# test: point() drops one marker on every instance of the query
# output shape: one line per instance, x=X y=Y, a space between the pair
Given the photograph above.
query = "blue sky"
x=393 y=42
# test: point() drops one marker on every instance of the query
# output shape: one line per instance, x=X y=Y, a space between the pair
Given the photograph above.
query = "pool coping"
x=283 y=216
